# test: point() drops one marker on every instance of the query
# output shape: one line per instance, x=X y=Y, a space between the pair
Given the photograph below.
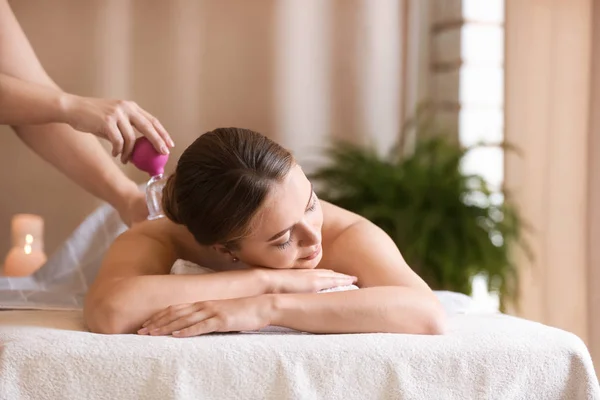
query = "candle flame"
x=28 y=239
x=27 y=249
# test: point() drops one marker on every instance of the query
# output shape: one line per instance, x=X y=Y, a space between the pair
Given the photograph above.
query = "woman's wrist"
x=264 y=279
x=272 y=308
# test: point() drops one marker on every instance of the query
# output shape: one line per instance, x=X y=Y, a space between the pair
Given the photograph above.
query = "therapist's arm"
x=27 y=103
x=77 y=155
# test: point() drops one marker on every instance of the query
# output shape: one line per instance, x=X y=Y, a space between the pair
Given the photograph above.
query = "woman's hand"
x=114 y=121
x=231 y=315
x=305 y=280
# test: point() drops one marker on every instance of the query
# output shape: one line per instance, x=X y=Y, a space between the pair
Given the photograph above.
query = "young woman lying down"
x=239 y=204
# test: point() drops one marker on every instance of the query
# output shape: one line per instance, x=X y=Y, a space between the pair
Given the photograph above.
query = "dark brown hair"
x=220 y=182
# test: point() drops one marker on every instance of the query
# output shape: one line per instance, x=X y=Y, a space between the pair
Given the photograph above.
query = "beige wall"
x=593 y=205
x=297 y=71
x=555 y=182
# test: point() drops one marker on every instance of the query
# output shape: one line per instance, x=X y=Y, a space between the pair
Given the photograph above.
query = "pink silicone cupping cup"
x=147 y=159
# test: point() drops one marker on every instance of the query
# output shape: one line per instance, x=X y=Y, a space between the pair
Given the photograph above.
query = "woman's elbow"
x=436 y=323
x=428 y=317
x=105 y=317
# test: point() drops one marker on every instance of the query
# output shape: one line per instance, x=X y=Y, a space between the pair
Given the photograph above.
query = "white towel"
x=50 y=355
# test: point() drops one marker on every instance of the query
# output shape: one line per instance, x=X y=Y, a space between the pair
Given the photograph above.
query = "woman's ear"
x=222 y=249
x=225 y=251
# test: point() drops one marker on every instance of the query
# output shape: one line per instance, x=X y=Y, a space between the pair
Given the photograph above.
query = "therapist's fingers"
x=146 y=128
x=128 y=135
x=114 y=136
x=159 y=128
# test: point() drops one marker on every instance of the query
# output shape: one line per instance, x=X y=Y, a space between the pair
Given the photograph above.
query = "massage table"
x=46 y=351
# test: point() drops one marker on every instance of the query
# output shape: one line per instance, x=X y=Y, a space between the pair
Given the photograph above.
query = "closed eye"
x=285 y=245
x=313 y=204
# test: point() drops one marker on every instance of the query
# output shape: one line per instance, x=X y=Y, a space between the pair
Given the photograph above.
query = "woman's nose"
x=310 y=236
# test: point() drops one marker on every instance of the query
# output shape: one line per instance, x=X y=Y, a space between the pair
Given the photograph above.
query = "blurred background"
x=307 y=73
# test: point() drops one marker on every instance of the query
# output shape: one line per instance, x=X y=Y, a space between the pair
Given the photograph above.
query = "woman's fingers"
x=165 y=312
x=344 y=277
x=168 y=315
x=338 y=275
x=348 y=280
x=329 y=283
x=207 y=325
x=330 y=279
x=182 y=322
x=128 y=138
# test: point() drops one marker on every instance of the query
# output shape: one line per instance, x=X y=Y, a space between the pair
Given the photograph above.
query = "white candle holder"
x=27 y=253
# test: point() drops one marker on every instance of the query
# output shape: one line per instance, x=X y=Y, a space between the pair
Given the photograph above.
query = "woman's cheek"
x=287 y=259
x=278 y=259
x=291 y=258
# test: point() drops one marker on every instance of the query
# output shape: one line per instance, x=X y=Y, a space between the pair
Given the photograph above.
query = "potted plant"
x=449 y=226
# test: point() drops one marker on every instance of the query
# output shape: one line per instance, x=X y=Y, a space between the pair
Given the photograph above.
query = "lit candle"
x=27 y=253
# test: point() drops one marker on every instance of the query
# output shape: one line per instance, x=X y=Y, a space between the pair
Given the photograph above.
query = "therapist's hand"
x=115 y=121
x=133 y=208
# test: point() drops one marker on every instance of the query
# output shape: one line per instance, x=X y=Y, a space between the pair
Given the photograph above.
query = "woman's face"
x=286 y=231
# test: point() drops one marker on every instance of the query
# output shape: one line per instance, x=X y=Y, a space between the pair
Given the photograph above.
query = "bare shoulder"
x=336 y=220
x=168 y=234
x=165 y=232
x=355 y=246
x=150 y=247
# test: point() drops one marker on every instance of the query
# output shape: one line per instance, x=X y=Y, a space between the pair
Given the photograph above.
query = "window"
x=467 y=85
x=481 y=99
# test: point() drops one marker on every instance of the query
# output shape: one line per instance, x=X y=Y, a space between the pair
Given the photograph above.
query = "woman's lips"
x=313 y=255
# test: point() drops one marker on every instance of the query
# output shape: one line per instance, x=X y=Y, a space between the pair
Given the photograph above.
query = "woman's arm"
x=369 y=310
x=133 y=282
x=378 y=309
x=391 y=309
x=392 y=297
